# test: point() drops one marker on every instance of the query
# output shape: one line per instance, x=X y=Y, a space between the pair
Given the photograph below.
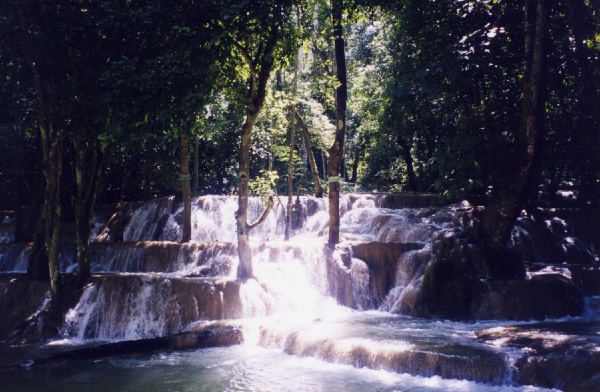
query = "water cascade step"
x=374 y=301
x=392 y=344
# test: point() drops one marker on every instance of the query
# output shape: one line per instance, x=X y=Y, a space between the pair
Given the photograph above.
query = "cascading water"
x=299 y=277
x=7 y=227
x=304 y=299
x=13 y=257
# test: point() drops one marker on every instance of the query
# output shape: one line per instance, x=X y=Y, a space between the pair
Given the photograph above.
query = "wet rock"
x=586 y=278
x=457 y=285
x=14 y=257
x=339 y=275
x=110 y=220
x=567 y=370
x=21 y=305
x=7 y=232
x=450 y=290
x=583 y=222
x=231 y=302
x=565 y=355
x=423 y=200
x=125 y=307
x=448 y=361
x=538 y=298
x=162 y=256
x=382 y=260
x=206 y=336
x=148 y=221
x=545 y=237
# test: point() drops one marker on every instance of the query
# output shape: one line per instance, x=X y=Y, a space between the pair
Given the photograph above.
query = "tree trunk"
x=260 y=72
x=147 y=185
x=586 y=123
x=184 y=181
x=51 y=138
x=290 y=175
x=52 y=208
x=336 y=151
x=243 y=231
x=88 y=175
x=26 y=226
x=408 y=159
x=311 y=156
x=37 y=265
x=290 y=168
x=120 y=227
x=356 y=161
x=196 y=163
x=510 y=195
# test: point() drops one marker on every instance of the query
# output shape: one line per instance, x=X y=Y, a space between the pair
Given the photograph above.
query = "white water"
x=240 y=368
x=13 y=257
x=288 y=308
x=7 y=227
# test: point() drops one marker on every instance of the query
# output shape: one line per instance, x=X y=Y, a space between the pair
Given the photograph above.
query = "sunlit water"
x=286 y=312
x=259 y=365
x=239 y=368
x=253 y=367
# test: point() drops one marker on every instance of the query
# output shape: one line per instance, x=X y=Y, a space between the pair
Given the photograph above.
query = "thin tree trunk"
x=25 y=230
x=184 y=181
x=336 y=151
x=260 y=71
x=408 y=159
x=120 y=228
x=147 y=176
x=88 y=175
x=51 y=138
x=311 y=156
x=37 y=266
x=290 y=168
x=52 y=208
x=356 y=161
x=587 y=121
x=245 y=269
x=290 y=175
x=510 y=196
x=196 y=163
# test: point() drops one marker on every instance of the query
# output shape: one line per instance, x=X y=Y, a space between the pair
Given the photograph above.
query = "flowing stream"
x=311 y=320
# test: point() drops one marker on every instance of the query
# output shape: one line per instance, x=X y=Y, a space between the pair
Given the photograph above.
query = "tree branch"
x=247 y=57
x=264 y=215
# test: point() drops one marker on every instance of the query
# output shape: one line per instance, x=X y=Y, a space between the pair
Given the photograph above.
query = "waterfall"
x=13 y=257
x=191 y=259
x=379 y=266
x=213 y=218
x=129 y=307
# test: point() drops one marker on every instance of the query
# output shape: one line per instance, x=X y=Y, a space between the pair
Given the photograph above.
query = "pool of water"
x=260 y=365
x=238 y=368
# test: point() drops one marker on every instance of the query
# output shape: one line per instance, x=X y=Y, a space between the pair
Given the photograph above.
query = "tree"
x=177 y=67
x=290 y=165
x=336 y=151
x=311 y=157
x=257 y=44
x=37 y=38
x=587 y=116
x=509 y=197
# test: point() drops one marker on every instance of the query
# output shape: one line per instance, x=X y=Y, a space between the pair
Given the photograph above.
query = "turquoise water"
x=239 y=368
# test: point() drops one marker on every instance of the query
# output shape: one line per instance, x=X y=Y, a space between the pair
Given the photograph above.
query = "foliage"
x=434 y=92
x=264 y=184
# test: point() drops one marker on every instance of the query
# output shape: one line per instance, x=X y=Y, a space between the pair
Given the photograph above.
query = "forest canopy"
x=434 y=91
x=110 y=101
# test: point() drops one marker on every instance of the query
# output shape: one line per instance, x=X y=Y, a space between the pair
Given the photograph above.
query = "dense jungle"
x=439 y=158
